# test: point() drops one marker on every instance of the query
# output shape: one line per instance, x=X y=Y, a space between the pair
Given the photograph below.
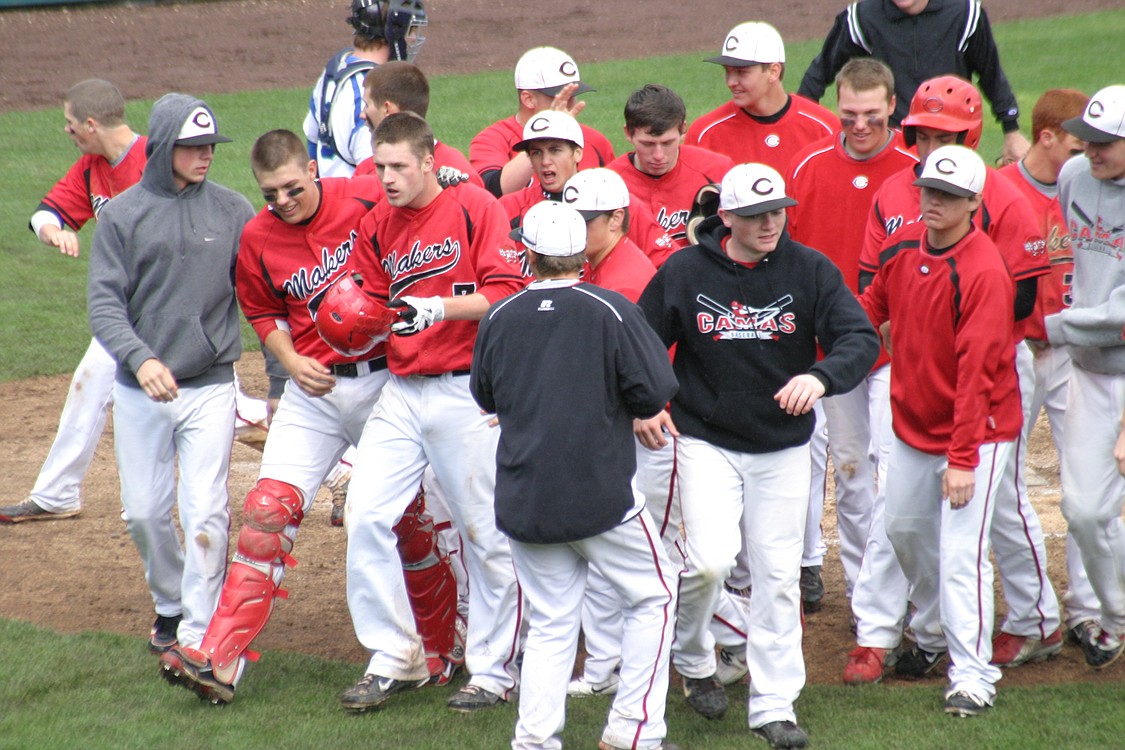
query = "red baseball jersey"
x=284 y=269
x=1053 y=292
x=491 y=148
x=457 y=245
x=670 y=196
x=91 y=182
x=774 y=140
x=444 y=156
x=649 y=236
x=953 y=384
x=625 y=269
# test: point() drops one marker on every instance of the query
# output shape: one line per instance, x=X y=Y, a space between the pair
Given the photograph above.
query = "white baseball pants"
x=814 y=547
x=944 y=553
x=419 y=421
x=757 y=502
x=553 y=577
x=150 y=440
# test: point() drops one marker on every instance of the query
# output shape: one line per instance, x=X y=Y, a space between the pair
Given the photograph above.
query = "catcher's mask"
x=400 y=22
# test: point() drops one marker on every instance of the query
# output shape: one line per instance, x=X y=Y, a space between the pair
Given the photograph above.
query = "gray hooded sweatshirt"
x=161 y=280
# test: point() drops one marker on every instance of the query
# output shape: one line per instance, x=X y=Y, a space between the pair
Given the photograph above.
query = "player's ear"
x=527 y=99
x=725 y=216
x=628 y=134
x=578 y=153
x=311 y=169
x=390 y=108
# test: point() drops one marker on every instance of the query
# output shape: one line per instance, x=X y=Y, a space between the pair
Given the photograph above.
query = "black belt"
x=439 y=374
x=355 y=369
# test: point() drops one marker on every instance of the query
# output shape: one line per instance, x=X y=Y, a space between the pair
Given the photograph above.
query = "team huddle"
x=576 y=391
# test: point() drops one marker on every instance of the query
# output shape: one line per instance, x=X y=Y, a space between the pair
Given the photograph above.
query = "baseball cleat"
x=163 y=634
x=1012 y=650
x=781 y=734
x=812 y=588
x=339 y=489
x=1082 y=632
x=1103 y=650
x=731 y=666
x=707 y=696
x=917 y=662
x=964 y=704
x=372 y=691
x=580 y=688
x=865 y=666
x=191 y=669
x=473 y=698
x=27 y=510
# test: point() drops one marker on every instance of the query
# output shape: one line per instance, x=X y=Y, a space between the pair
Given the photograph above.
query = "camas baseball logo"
x=97 y=202
x=420 y=263
x=739 y=321
x=1095 y=235
x=671 y=219
x=306 y=281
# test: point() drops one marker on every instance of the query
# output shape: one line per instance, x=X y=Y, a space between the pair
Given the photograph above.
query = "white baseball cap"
x=753 y=189
x=592 y=192
x=551 y=123
x=1104 y=118
x=953 y=169
x=547 y=69
x=552 y=228
x=751 y=43
x=200 y=129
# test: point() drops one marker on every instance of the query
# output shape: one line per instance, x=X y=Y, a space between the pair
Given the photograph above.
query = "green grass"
x=97 y=690
x=45 y=330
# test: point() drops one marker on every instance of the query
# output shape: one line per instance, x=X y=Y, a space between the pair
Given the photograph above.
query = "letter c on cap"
x=1095 y=110
x=732 y=43
x=570 y=194
x=568 y=69
x=539 y=124
x=756 y=187
x=946 y=166
x=202 y=119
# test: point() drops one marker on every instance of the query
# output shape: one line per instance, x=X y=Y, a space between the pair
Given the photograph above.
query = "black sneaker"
x=706 y=696
x=1102 y=650
x=163 y=634
x=917 y=662
x=964 y=704
x=372 y=691
x=1083 y=632
x=473 y=698
x=781 y=734
x=812 y=588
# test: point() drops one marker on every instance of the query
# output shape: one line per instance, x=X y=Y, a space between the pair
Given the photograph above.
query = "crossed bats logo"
x=740 y=321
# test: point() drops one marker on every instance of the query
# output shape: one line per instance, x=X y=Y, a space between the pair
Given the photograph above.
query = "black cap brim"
x=943 y=186
x=1079 y=128
x=517 y=235
x=204 y=140
x=731 y=62
x=760 y=208
x=554 y=90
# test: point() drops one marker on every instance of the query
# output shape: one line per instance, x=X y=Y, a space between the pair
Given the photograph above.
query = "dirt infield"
x=84 y=574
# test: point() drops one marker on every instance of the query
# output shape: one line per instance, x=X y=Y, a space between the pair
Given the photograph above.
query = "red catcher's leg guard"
x=244 y=608
x=432 y=588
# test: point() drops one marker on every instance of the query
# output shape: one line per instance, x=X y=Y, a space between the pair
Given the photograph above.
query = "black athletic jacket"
x=742 y=333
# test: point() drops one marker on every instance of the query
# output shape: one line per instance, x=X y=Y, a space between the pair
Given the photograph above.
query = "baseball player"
x=746 y=309
x=761 y=123
x=161 y=301
x=291 y=254
x=1045 y=375
x=837 y=177
x=947 y=110
x=437 y=255
x=398 y=86
x=1093 y=204
x=920 y=39
x=337 y=135
x=112 y=159
x=597 y=364
x=546 y=79
x=660 y=171
x=956 y=416
x=554 y=142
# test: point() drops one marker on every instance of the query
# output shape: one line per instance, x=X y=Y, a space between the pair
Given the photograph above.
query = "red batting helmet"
x=946 y=103
x=351 y=322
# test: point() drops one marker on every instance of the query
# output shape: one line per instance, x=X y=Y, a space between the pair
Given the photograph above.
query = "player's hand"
x=157 y=381
x=311 y=377
x=651 y=432
x=798 y=395
x=885 y=334
x=958 y=485
x=493 y=420
x=1015 y=148
x=1119 y=452
x=64 y=239
x=564 y=101
x=271 y=409
x=449 y=176
x=416 y=314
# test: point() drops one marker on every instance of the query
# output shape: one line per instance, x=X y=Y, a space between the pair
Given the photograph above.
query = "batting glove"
x=450 y=176
x=418 y=314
